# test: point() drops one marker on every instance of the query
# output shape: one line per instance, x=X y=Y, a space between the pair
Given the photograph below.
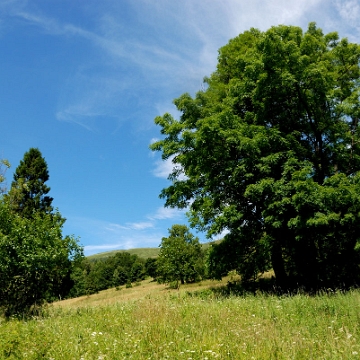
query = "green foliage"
x=271 y=154
x=137 y=272
x=35 y=260
x=28 y=190
x=180 y=257
x=151 y=267
x=120 y=276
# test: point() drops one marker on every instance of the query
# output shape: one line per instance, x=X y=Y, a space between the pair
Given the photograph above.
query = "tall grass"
x=176 y=325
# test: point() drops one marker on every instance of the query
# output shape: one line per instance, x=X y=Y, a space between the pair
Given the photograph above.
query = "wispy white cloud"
x=141 y=225
x=154 y=140
x=349 y=11
x=48 y=24
x=221 y=235
x=163 y=168
x=85 y=106
x=170 y=47
x=115 y=227
x=166 y=213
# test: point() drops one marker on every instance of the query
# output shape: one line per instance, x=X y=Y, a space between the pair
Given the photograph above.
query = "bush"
x=35 y=261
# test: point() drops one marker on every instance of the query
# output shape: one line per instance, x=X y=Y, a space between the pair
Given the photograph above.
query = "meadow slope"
x=150 y=321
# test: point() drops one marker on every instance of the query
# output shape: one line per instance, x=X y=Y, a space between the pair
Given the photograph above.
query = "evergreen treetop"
x=28 y=191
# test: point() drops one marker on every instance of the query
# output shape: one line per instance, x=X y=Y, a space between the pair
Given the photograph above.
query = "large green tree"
x=180 y=257
x=270 y=151
x=28 y=193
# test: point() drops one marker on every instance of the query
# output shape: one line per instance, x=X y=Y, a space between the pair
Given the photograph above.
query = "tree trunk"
x=306 y=263
x=279 y=266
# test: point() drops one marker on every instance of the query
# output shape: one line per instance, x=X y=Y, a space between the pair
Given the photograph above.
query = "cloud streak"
x=141 y=225
x=173 y=47
x=163 y=168
x=163 y=213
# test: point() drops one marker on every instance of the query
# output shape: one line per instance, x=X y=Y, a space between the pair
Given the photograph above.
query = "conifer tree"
x=28 y=193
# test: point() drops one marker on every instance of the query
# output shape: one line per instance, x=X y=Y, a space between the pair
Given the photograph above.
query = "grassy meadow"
x=150 y=321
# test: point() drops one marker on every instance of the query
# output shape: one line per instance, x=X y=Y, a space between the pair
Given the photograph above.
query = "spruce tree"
x=28 y=193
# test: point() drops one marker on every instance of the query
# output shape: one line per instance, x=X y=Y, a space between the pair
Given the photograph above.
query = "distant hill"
x=141 y=252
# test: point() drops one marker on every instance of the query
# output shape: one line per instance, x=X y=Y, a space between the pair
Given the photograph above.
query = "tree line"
x=92 y=276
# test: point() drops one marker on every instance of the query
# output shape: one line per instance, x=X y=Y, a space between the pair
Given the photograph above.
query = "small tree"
x=120 y=276
x=180 y=257
x=151 y=267
x=28 y=191
x=137 y=272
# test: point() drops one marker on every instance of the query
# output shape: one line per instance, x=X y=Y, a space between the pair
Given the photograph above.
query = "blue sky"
x=83 y=81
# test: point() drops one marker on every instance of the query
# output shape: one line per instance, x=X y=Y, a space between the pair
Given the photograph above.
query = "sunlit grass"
x=150 y=322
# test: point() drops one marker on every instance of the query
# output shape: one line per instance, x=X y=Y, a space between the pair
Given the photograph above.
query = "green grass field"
x=150 y=321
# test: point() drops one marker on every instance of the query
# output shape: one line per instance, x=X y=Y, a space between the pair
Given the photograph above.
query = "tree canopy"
x=28 y=191
x=270 y=153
